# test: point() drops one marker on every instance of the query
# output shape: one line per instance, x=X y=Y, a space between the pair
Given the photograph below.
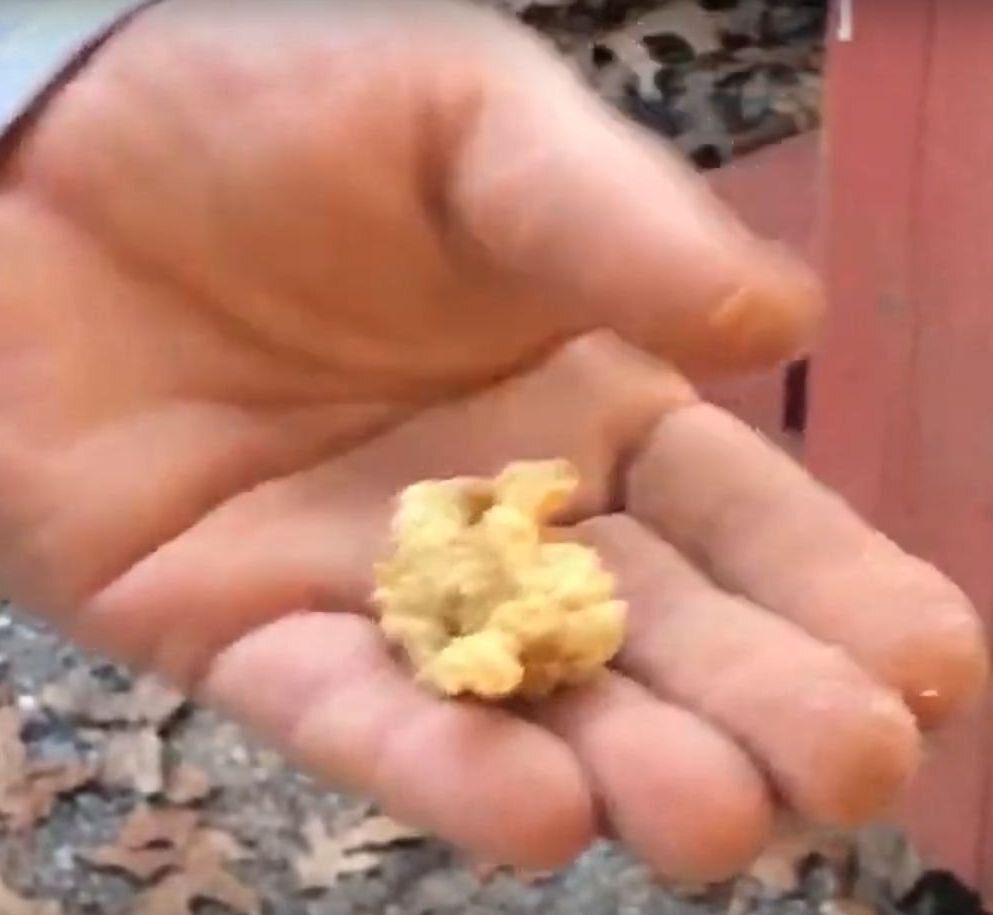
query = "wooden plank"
x=776 y=191
x=950 y=504
x=859 y=394
x=901 y=387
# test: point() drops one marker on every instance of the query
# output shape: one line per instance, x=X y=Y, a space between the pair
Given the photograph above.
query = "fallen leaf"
x=12 y=903
x=13 y=755
x=29 y=790
x=201 y=877
x=133 y=759
x=179 y=893
x=355 y=850
x=381 y=831
x=150 y=843
x=153 y=827
x=216 y=846
x=172 y=845
x=144 y=864
x=33 y=797
x=152 y=702
x=778 y=868
x=187 y=785
x=83 y=697
x=328 y=858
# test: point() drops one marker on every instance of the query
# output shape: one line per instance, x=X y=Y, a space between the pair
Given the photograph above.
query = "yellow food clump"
x=481 y=596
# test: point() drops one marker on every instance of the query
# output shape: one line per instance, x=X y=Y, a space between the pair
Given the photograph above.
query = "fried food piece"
x=483 y=599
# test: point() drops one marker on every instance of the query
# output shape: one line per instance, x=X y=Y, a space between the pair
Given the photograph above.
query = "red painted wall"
x=902 y=409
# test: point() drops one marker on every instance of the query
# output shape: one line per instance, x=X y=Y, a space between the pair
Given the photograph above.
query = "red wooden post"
x=776 y=192
x=902 y=410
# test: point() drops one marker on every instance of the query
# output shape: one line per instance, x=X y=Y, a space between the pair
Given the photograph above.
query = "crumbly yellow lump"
x=484 y=599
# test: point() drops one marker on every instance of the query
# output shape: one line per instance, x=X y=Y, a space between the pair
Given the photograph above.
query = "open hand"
x=264 y=264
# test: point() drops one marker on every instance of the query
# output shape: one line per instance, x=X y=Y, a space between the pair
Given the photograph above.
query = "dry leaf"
x=81 y=696
x=144 y=864
x=170 y=844
x=40 y=786
x=778 y=867
x=133 y=759
x=355 y=850
x=152 y=702
x=75 y=694
x=381 y=832
x=201 y=877
x=187 y=785
x=216 y=846
x=165 y=828
x=13 y=904
x=29 y=791
x=178 y=893
x=328 y=858
x=13 y=756
x=150 y=843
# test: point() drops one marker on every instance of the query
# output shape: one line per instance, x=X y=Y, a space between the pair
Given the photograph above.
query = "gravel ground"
x=719 y=78
x=118 y=797
x=254 y=848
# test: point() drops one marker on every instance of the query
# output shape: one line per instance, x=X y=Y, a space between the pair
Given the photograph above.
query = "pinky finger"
x=323 y=688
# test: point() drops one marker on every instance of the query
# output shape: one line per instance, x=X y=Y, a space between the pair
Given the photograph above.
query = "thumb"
x=609 y=224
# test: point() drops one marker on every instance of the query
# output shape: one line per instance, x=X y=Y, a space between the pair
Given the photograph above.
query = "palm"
x=237 y=318
x=213 y=326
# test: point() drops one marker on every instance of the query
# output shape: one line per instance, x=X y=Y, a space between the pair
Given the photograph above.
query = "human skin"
x=265 y=264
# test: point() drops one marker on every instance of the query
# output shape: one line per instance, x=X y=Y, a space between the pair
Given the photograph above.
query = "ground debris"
x=82 y=697
x=780 y=867
x=183 y=860
x=353 y=848
x=178 y=894
x=13 y=754
x=30 y=789
x=151 y=842
x=133 y=760
x=13 y=904
x=187 y=785
x=42 y=784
